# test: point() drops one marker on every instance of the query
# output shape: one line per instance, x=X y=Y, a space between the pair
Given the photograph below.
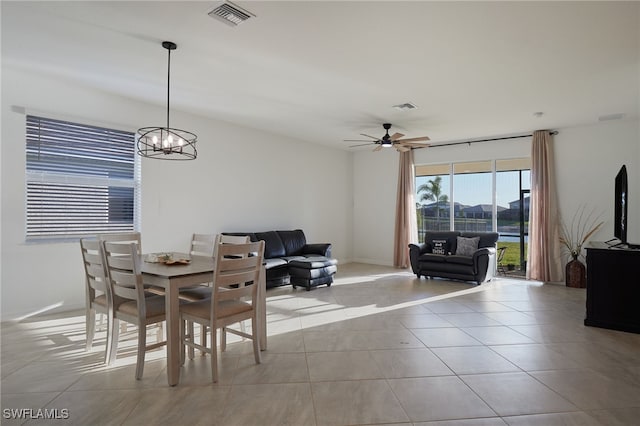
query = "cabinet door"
x=613 y=290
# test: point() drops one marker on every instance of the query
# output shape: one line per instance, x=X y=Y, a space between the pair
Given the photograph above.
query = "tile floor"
x=377 y=347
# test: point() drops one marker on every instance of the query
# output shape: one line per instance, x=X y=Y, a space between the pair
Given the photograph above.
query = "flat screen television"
x=620 y=215
x=620 y=207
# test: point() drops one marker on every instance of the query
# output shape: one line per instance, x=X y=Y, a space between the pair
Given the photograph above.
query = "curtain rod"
x=553 y=132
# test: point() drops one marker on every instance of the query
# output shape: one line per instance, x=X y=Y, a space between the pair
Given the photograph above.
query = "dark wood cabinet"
x=613 y=287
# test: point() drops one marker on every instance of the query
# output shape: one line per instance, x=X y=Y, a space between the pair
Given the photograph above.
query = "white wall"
x=242 y=180
x=375 y=177
x=587 y=160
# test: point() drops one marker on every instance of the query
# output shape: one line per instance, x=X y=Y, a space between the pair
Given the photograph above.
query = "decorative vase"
x=575 y=274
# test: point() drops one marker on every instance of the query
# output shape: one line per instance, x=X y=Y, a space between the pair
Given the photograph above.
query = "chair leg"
x=256 y=340
x=203 y=338
x=183 y=337
x=223 y=339
x=142 y=348
x=214 y=354
x=109 y=344
x=190 y=331
x=90 y=327
x=114 y=330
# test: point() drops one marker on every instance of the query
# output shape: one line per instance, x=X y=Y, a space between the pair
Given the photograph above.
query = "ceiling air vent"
x=405 y=106
x=617 y=116
x=230 y=14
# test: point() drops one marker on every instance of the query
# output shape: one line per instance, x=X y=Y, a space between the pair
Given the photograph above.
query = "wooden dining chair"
x=97 y=292
x=131 y=237
x=131 y=302
x=123 y=237
x=202 y=245
x=232 y=300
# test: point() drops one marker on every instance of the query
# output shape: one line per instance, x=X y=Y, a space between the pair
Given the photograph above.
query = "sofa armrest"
x=420 y=248
x=415 y=250
x=321 y=249
x=482 y=259
x=484 y=251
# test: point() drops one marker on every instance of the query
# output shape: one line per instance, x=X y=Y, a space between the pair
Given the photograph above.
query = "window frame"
x=496 y=165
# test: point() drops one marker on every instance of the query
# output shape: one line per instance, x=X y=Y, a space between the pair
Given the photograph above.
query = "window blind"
x=81 y=179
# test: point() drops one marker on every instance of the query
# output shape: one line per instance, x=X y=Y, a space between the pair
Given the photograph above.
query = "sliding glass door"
x=513 y=180
x=432 y=199
x=478 y=196
x=472 y=195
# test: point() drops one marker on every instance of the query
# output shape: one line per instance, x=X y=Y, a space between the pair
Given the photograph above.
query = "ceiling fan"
x=394 y=140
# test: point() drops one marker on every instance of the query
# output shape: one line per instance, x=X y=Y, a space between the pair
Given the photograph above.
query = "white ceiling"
x=327 y=71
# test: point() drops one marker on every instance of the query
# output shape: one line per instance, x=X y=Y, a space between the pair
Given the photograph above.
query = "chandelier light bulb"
x=155 y=139
x=180 y=142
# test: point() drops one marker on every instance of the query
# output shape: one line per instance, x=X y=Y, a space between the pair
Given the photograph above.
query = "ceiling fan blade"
x=369 y=136
x=357 y=140
x=423 y=138
x=402 y=148
x=414 y=144
x=377 y=148
x=362 y=144
x=396 y=136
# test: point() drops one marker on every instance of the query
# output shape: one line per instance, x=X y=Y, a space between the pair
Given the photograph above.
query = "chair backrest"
x=126 y=237
x=233 y=239
x=202 y=245
x=123 y=270
x=94 y=268
x=501 y=251
x=235 y=266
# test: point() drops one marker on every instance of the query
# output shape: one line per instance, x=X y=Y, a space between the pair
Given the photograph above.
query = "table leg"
x=173 y=334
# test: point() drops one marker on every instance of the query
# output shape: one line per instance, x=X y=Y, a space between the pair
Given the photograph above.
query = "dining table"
x=171 y=278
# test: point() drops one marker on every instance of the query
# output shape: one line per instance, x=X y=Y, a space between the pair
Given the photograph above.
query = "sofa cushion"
x=274 y=263
x=466 y=246
x=460 y=260
x=440 y=246
x=450 y=236
x=430 y=257
x=293 y=241
x=273 y=246
x=313 y=262
x=290 y=258
x=487 y=239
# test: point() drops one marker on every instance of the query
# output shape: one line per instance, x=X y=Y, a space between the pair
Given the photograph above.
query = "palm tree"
x=432 y=191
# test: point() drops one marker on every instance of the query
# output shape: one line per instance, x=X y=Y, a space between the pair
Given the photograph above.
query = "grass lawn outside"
x=512 y=253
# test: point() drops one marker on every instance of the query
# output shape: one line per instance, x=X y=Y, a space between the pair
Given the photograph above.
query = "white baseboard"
x=380 y=262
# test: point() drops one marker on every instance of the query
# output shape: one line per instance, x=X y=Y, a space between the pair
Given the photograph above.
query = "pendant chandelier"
x=166 y=143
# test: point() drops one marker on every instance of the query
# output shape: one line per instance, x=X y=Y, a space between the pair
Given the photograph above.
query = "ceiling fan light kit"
x=167 y=143
x=395 y=140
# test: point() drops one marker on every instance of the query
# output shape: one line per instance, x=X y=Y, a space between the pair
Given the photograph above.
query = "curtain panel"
x=544 y=258
x=406 y=229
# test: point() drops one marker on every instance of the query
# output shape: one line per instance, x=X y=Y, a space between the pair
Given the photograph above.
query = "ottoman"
x=312 y=271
